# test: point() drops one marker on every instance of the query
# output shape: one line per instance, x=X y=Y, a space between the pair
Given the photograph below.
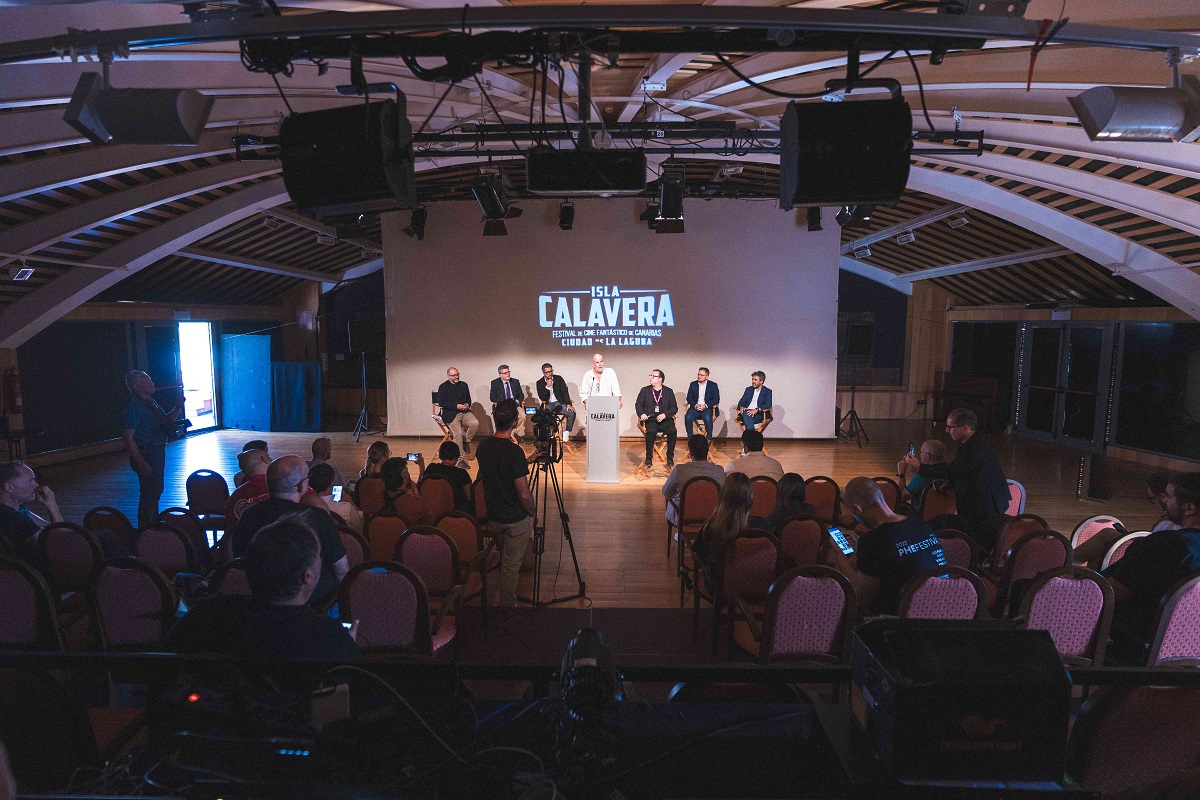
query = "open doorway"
x=196 y=366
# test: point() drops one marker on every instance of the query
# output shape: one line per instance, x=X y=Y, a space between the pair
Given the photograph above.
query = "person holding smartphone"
x=932 y=452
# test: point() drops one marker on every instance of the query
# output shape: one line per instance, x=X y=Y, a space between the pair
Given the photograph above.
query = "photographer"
x=147 y=429
x=504 y=471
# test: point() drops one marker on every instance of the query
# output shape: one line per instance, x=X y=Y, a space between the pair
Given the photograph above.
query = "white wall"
x=750 y=289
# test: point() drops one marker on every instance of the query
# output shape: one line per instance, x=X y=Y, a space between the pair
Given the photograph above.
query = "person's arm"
x=565 y=397
x=467 y=405
x=641 y=406
x=341 y=567
x=671 y=406
x=522 y=486
x=712 y=395
x=140 y=465
x=45 y=496
x=616 y=389
x=420 y=462
x=585 y=388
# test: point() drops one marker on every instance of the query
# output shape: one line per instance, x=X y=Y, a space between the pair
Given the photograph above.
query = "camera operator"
x=555 y=397
x=147 y=429
x=504 y=471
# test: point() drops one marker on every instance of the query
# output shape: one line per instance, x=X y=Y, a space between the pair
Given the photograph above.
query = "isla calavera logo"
x=606 y=316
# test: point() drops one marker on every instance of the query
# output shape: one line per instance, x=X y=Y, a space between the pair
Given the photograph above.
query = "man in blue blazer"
x=755 y=405
x=702 y=399
x=506 y=387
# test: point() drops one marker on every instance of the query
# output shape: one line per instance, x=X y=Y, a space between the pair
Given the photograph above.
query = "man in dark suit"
x=454 y=407
x=702 y=399
x=506 y=387
x=755 y=405
x=552 y=390
x=980 y=488
x=656 y=407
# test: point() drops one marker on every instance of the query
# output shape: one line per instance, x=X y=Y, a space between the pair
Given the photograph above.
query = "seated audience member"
x=893 y=549
x=253 y=465
x=322 y=451
x=320 y=480
x=283 y=567
x=931 y=452
x=1092 y=552
x=452 y=467
x=1153 y=564
x=377 y=453
x=731 y=517
x=753 y=462
x=789 y=502
x=698 y=467
x=253 y=444
x=18 y=524
x=287 y=480
x=400 y=495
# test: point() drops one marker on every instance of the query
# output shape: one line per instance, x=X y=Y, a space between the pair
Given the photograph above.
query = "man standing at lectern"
x=656 y=407
x=600 y=382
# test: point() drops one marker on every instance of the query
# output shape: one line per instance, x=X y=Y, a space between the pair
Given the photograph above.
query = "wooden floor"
x=619 y=530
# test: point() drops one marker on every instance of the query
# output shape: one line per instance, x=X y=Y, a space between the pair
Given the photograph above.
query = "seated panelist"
x=754 y=409
x=552 y=391
x=506 y=387
x=656 y=408
x=702 y=400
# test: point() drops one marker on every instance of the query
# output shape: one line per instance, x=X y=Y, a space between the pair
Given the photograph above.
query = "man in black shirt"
x=892 y=551
x=656 y=408
x=18 y=524
x=504 y=470
x=287 y=481
x=449 y=467
x=283 y=567
x=454 y=407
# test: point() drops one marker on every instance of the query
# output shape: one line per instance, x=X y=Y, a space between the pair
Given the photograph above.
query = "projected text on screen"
x=606 y=315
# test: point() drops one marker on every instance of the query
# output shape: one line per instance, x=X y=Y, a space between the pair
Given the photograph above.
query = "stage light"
x=862 y=252
x=851 y=214
x=489 y=193
x=416 y=225
x=326 y=240
x=21 y=272
x=566 y=216
x=136 y=116
x=671 y=187
x=908 y=237
x=272 y=224
x=814 y=219
x=1141 y=114
x=588 y=682
x=959 y=221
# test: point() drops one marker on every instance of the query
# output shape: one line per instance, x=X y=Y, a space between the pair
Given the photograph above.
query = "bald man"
x=147 y=427
x=287 y=482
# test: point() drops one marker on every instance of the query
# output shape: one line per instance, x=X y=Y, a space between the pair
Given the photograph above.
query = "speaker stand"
x=854 y=427
x=364 y=416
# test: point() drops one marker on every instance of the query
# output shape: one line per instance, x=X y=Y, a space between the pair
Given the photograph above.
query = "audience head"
x=320 y=479
x=961 y=424
x=322 y=448
x=448 y=451
x=1182 y=498
x=283 y=562
x=698 y=447
x=377 y=453
x=1156 y=484
x=932 y=452
x=752 y=441
x=287 y=477
x=862 y=495
x=256 y=444
x=505 y=415
x=789 y=496
x=253 y=462
x=733 y=511
x=17 y=482
x=395 y=474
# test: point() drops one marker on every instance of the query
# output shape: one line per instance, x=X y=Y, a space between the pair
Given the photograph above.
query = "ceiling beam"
x=919 y=221
x=1007 y=260
x=877 y=274
x=657 y=70
x=213 y=256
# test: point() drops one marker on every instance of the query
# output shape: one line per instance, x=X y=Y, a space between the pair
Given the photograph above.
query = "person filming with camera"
x=147 y=429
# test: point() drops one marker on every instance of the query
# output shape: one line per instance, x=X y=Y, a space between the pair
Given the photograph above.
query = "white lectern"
x=603 y=440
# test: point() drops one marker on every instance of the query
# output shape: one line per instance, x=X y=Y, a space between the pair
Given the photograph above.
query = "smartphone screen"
x=347 y=625
x=337 y=494
x=912 y=451
x=529 y=412
x=841 y=540
x=413 y=456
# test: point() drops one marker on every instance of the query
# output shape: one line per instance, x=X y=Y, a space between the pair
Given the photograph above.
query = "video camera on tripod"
x=545 y=434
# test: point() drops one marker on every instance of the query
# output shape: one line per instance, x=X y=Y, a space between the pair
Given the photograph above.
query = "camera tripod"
x=855 y=430
x=543 y=481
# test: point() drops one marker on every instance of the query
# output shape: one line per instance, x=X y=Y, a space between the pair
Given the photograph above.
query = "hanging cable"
x=436 y=106
x=495 y=111
x=768 y=90
x=921 y=89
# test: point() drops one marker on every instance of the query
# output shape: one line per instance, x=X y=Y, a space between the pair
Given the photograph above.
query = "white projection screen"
x=746 y=288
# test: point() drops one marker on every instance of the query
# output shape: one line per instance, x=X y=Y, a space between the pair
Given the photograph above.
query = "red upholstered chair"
x=801 y=539
x=1131 y=738
x=392 y=609
x=1117 y=551
x=207 y=494
x=1016 y=499
x=891 y=491
x=808 y=616
x=480 y=500
x=71 y=555
x=433 y=555
x=230 y=578
x=355 y=544
x=186 y=520
x=825 y=496
x=697 y=501
x=475 y=555
x=166 y=547
x=1010 y=532
x=938 y=498
x=1075 y=605
x=369 y=496
x=959 y=548
x=134 y=604
x=29 y=620
x=438 y=494
x=943 y=593
x=744 y=570
x=764 y=491
x=383 y=531
x=1033 y=554
x=1090 y=527
x=1178 y=638
x=107 y=518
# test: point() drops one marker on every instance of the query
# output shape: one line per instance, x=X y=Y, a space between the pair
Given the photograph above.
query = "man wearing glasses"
x=980 y=488
x=453 y=405
x=552 y=390
x=506 y=387
x=656 y=407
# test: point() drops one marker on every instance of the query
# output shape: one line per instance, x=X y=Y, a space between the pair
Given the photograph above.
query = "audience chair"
x=1033 y=554
x=660 y=444
x=480 y=500
x=475 y=555
x=959 y=548
x=107 y=518
x=186 y=520
x=71 y=554
x=1016 y=499
x=167 y=548
x=433 y=555
x=1090 y=527
x=892 y=491
x=392 y=609
x=825 y=496
x=29 y=620
x=943 y=593
x=438 y=494
x=207 y=494
x=697 y=501
x=807 y=618
x=369 y=496
x=1075 y=605
x=1177 y=641
x=230 y=578
x=802 y=540
x=744 y=569
x=133 y=602
x=1130 y=738
x=383 y=531
x=1010 y=532
x=355 y=544
x=937 y=499
x=764 y=490
x=1119 y=547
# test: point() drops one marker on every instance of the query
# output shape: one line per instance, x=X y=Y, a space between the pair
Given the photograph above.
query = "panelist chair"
x=447 y=434
x=660 y=444
x=702 y=429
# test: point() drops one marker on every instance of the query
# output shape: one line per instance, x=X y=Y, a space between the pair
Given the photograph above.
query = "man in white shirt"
x=754 y=409
x=600 y=382
x=753 y=462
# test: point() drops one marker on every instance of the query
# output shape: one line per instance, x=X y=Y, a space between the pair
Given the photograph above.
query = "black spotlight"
x=849 y=215
x=588 y=682
x=489 y=193
x=671 y=187
x=416 y=226
x=566 y=216
x=814 y=219
x=650 y=215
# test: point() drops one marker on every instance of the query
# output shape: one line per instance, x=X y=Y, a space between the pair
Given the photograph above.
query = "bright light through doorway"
x=196 y=363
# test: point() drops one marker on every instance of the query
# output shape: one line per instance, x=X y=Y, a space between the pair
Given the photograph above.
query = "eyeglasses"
x=952 y=427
